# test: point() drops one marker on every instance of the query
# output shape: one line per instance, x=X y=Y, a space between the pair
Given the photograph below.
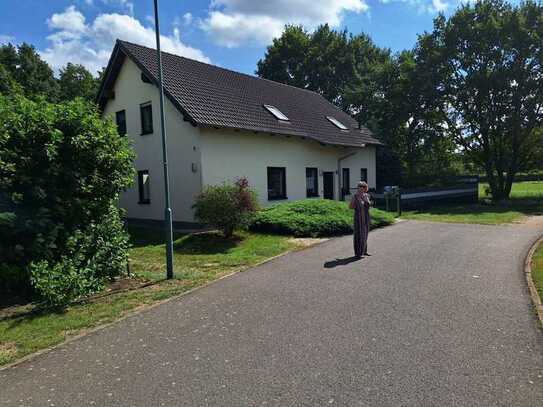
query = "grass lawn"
x=526 y=199
x=537 y=270
x=523 y=190
x=198 y=259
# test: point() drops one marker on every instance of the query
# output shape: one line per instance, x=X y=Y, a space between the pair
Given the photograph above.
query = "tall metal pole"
x=167 y=210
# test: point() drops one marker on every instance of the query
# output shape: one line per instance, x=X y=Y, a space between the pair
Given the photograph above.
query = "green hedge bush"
x=62 y=168
x=227 y=207
x=313 y=218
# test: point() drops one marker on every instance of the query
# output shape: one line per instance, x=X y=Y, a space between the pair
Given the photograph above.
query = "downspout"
x=339 y=177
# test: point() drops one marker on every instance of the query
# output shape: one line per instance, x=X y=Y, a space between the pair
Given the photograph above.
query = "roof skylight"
x=276 y=112
x=337 y=123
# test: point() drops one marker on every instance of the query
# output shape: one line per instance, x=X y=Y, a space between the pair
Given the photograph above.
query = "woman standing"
x=361 y=205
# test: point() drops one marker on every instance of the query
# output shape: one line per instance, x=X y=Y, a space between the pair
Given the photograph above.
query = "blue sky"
x=229 y=33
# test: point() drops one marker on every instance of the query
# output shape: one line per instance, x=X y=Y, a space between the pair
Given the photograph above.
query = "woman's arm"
x=352 y=204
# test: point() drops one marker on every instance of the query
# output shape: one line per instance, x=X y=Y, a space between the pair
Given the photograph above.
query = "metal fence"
x=460 y=190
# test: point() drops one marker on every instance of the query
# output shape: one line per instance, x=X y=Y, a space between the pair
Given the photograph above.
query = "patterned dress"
x=361 y=225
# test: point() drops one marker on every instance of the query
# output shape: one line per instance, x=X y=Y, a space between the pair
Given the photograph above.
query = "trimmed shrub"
x=313 y=218
x=226 y=207
x=61 y=170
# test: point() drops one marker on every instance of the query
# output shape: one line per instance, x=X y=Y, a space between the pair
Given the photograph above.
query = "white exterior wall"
x=183 y=149
x=365 y=158
x=218 y=155
x=228 y=154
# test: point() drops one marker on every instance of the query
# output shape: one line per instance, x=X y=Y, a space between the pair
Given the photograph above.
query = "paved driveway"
x=438 y=316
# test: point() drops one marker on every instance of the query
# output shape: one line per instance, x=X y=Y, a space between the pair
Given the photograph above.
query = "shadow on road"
x=340 y=262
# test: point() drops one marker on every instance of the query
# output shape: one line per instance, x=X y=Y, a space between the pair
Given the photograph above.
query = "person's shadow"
x=340 y=262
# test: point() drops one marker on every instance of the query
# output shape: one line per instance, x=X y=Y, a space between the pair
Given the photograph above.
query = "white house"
x=290 y=143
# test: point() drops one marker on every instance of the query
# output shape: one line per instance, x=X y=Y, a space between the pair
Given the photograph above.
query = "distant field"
x=526 y=189
x=526 y=200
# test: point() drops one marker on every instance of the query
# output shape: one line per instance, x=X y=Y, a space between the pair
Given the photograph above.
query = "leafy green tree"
x=62 y=168
x=395 y=103
x=325 y=61
x=285 y=59
x=26 y=67
x=8 y=86
x=76 y=81
x=485 y=65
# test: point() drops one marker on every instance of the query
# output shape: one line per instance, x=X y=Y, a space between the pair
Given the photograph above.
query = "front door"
x=328 y=184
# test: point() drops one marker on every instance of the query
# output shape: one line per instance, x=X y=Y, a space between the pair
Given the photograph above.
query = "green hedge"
x=313 y=218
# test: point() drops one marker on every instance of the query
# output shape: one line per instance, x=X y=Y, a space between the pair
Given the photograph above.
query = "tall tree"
x=76 y=81
x=8 y=86
x=325 y=61
x=393 y=100
x=285 y=59
x=28 y=69
x=485 y=64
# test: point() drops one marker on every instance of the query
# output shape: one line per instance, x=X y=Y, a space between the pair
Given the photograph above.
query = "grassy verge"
x=537 y=270
x=198 y=259
x=526 y=200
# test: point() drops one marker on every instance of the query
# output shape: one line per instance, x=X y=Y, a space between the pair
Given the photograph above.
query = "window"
x=276 y=112
x=120 y=119
x=146 y=113
x=143 y=187
x=346 y=181
x=364 y=174
x=312 y=182
x=337 y=123
x=277 y=183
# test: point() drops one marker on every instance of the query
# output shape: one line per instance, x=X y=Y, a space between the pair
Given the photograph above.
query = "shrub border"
x=530 y=281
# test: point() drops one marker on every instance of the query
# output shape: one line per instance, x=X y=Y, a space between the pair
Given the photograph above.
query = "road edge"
x=536 y=300
x=142 y=309
x=139 y=310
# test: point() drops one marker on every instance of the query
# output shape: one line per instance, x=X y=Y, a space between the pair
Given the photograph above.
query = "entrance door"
x=328 y=184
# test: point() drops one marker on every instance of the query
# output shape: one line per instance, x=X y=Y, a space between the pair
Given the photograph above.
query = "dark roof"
x=210 y=96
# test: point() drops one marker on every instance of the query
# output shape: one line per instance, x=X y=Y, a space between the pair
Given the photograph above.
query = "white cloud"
x=70 y=20
x=123 y=4
x=90 y=44
x=235 y=22
x=439 y=6
x=4 y=39
x=424 y=6
x=187 y=18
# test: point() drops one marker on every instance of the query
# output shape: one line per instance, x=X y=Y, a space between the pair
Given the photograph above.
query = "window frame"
x=117 y=114
x=278 y=114
x=365 y=172
x=283 y=183
x=141 y=188
x=337 y=123
x=315 y=186
x=143 y=106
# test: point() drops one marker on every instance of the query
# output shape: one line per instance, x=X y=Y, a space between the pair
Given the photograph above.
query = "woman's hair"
x=362 y=184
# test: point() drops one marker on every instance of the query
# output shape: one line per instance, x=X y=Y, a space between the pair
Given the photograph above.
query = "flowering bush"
x=227 y=206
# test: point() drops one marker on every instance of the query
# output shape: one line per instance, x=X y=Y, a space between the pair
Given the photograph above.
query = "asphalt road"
x=439 y=315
